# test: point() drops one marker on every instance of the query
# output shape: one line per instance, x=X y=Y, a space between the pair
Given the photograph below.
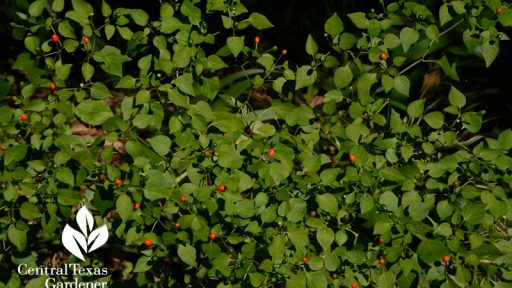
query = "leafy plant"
x=188 y=144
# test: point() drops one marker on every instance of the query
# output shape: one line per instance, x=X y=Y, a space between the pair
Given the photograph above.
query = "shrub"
x=203 y=179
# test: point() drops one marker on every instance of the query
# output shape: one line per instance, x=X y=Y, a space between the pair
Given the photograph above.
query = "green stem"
x=422 y=59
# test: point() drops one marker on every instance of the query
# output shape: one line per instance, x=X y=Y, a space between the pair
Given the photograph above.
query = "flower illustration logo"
x=88 y=239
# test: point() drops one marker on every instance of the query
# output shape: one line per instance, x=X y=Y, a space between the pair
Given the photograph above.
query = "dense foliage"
x=215 y=162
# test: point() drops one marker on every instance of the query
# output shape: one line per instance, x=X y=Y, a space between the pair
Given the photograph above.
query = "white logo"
x=88 y=240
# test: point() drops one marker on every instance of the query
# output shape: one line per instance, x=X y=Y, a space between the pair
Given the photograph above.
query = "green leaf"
x=391 y=41
x=333 y=95
x=142 y=265
x=227 y=22
x=65 y=175
x=17 y=237
x=306 y=76
x=364 y=85
x=125 y=32
x=341 y=237
x=415 y=109
x=296 y=280
x=328 y=203
x=235 y=44
x=161 y=144
x=328 y=176
x=15 y=154
x=431 y=251
x=316 y=279
x=36 y=282
x=259 y=21
x=386 y=280
x=144 y=64
x=276 y=248
x=274 y=173
x=325 y=237
x=408 y=37
x=312 y=164
x=333 y=26
x=68 y=197
x=449 y=70
x=181 y=58
x=390 y=201
x=456 y=97
x=209 y=87
x=139 y=16
x=127 y=82
x=374 y=27
x=347 y=41
x=402 y=85
x=229 y=157
x=387 y=83
x=356 y=130
x=490 y=52
x=58 y=5
x=105 y=8
x=266 y=60
x=228 y=122
x=311 y=46
x=36 y=8
x=278 y=84
x=299 y=238
x=65 y=29
x=434 y=119
x=419 y=210
x=444 y=209
x=109 y=31
x=256 y=279
x=458 y=6
x=87 y=71
x=214 y=62
x=343 y=77
x=359 y=19
x=158 y=185
x=93 y=112
x=100 y=91
x=505 y=139
x=472 y=121
x=444 y=14
x=32 y=43
x=124 y=207
x=169 y=24
x=444 y=230
x=29 y=211
x=382 y=226
x=24 y=62
x=111 y=60
x=62 y=71
x=297 y=210
x=392 y=174
x=192 y=12
x=82 y=7
x=505 y=17
x=185 y=83
x=70 y=45
x=432 y=33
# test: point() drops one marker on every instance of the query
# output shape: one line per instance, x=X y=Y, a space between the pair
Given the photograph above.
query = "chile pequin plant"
x=217 y=163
